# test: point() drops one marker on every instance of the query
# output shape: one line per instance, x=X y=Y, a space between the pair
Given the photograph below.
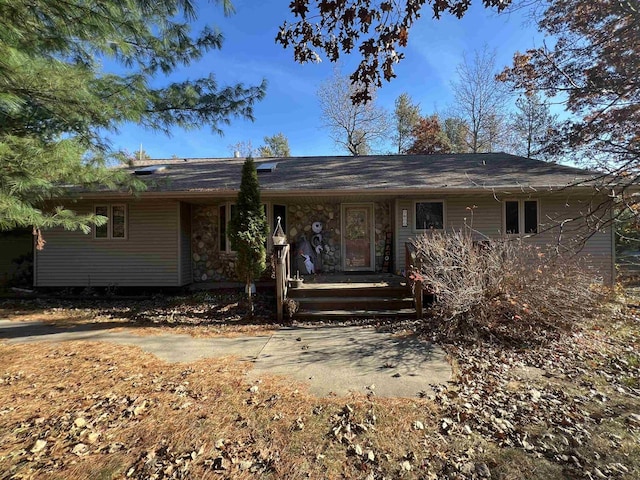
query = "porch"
x=327 y=235
x=346 y=295
x=340 y=296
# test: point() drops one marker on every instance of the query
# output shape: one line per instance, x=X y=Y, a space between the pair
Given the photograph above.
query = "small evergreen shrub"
x=248 y=230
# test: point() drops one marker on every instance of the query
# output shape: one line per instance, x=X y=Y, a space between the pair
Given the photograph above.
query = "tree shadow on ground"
x=362 y=348
x=168 y=311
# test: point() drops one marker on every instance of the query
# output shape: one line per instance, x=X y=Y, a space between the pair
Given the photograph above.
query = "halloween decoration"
x=305 y=255
x=318 y=244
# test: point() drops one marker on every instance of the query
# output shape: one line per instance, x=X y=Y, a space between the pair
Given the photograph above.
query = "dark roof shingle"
x=374 y=172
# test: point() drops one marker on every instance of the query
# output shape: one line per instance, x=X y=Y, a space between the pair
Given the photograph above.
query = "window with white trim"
x=116 y=226
x=225 y=213
x=521 y=216
x=428 y=215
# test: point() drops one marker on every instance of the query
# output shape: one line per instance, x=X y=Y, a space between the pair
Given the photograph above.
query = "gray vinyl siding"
x=575 y=235
x=186 y=276
x=484 y=215
x=485 y=219
x=147 y=257
x=404 y=234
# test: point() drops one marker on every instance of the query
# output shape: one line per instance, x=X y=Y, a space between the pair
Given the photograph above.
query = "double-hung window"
x=521 y=217
x=429 y=215
x=116 y=226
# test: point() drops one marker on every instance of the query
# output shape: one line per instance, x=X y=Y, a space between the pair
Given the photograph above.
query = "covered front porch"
x=326 y=235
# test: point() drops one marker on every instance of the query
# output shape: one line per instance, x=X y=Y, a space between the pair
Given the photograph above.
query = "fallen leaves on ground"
x=566 y=408
x=199 y=315
x=90 y=410
x=568 y=405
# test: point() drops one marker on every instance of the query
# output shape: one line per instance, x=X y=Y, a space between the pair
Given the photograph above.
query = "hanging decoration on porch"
x=317 y=242
x=279 y=237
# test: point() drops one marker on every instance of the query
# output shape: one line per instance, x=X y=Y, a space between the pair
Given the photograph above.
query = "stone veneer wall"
x=382 y=213
x=300 y=218
x=209 y=264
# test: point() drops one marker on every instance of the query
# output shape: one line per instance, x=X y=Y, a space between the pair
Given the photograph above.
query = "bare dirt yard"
x=568 y=407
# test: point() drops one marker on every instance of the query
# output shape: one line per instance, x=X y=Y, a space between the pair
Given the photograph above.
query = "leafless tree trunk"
x=356 y=128
x=479 y=99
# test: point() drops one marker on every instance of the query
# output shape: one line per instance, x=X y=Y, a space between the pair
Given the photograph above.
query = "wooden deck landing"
x=351 y=280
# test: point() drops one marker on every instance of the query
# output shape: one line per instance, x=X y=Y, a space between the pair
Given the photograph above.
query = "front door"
x=357 y=237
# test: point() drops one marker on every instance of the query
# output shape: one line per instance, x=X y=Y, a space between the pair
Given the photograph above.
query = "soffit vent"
x=267 y=167
x=150 y=170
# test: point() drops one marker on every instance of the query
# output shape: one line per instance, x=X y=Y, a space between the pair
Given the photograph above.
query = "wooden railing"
x=411 y=262
x=283 y=274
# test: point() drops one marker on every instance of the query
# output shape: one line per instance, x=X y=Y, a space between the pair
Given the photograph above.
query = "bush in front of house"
x=248 y=231
x=502 y=291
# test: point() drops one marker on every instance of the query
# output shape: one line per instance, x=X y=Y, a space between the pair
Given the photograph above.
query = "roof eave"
x=283 y=193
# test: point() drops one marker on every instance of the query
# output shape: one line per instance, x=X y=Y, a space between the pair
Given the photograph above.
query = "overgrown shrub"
x=504 y=291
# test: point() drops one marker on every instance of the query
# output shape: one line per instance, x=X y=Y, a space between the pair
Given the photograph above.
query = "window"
x=102 y=231
x=227 y=211
x=521 y=216
x=225 y=214
x=118 y=221
x=511 y=218
x=222 y=217
x=116 y=226
x=530 y=216
x=429 y=215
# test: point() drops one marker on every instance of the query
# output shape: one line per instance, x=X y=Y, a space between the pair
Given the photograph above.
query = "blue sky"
x=250 y=54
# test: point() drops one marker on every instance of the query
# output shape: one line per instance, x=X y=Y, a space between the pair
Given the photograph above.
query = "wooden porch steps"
x=339 y=315
x=348 y=291
x=354 y=299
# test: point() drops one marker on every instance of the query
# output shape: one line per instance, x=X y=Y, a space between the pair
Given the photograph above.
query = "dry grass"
x=106 y=411
x=516 y=464
x=128 y=410
x=70 y=317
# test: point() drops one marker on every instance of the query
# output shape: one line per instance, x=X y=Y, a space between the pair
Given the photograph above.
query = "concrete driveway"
x=331 y=360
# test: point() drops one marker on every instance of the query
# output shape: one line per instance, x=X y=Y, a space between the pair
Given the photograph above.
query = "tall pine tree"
x=57 y=104
x=248 y=229
x=532 y=124
x=275 y=146
x=406 y=115
x=457 y=131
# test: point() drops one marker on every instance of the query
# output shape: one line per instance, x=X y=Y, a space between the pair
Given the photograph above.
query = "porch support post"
x=412 y=261
x=417 y=292
x=282 y=276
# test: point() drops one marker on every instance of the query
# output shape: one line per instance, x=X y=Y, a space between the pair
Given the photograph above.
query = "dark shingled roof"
x=373 y=172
